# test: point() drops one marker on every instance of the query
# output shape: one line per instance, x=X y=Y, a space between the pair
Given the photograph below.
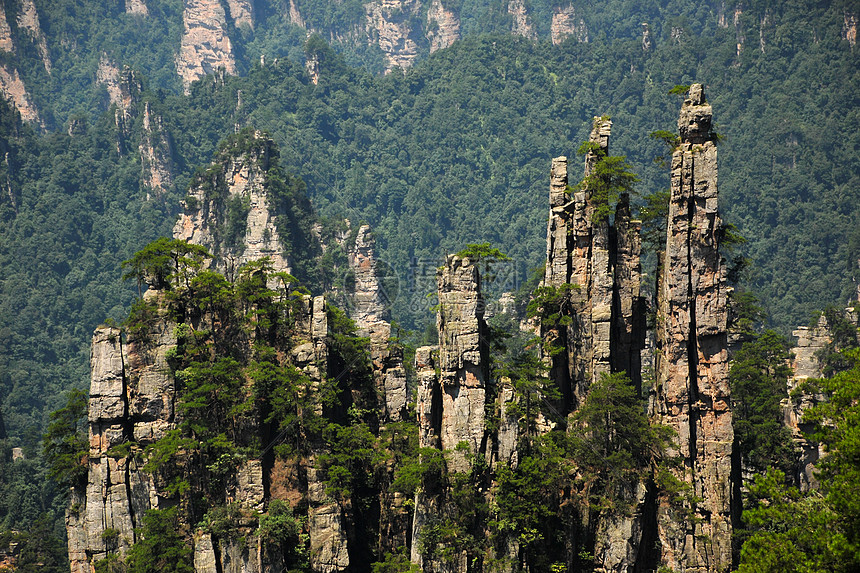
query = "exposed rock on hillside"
x=28 y=19
x=521 y=24
x=156 y=155
x=13 y=89
x=849 y=28
x=646 y=37
x=389 y=24
x=242 y=13
x=443 y=26
x=205 y=46
x=566 y=23
x=136 y=7
x=692 y=389
x=107 y=74
x=227 y=209
x=5 y=33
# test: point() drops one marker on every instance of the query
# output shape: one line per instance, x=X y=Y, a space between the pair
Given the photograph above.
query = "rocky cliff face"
x=5 y=34
x=242 y=13
x=692 y=390
x=451 y=403
x=522 y=25
x=11 y=85
x=443 y=26
x=13 y=89
x=131 y=399
x=28 y=20
x=805 y=364
x=205 y=46
x=389 y=24
x=156 y=154
x=132 y=406
x=567 y=23
x=227 y=209
x=107 y=75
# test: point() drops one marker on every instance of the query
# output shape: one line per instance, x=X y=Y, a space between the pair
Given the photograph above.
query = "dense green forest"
x=453 y=151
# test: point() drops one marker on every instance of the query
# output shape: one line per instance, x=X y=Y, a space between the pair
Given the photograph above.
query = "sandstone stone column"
x=692 y=392
x=240 y=174
x=372 y=316
x=602 y=261
x=462 y=358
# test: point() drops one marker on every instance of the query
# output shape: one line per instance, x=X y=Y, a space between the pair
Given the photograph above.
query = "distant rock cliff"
x=206 y=46
x=443 y=26
x=389 y=24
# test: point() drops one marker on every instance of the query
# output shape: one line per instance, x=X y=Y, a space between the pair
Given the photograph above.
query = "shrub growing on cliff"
x=612 y=442
x=160 y=547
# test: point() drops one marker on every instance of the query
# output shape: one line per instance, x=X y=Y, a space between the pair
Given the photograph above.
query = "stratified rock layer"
x=692 y=389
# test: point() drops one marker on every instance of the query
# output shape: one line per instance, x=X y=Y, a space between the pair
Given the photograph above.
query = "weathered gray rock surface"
x=692 y=389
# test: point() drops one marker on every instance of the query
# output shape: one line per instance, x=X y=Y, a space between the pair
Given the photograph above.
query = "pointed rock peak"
x=696 y=95
x=601 y=129
x=694 y=123
x=231 y=210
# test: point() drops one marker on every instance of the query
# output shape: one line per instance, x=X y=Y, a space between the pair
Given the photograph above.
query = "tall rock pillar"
x=371 y=312
x=692 y=389
x=601 y=261
x=462 y=358
x=451 y=405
